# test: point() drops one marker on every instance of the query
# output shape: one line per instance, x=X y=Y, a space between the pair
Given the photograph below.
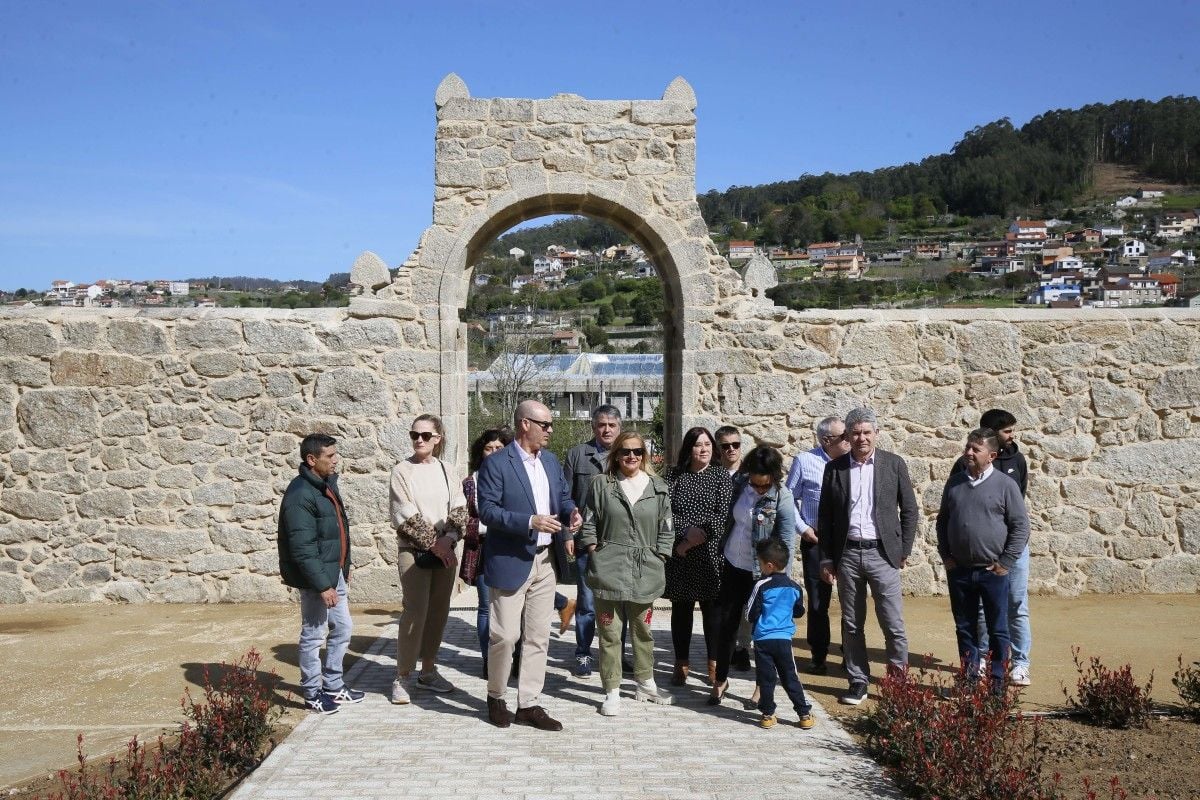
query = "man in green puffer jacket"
x=314 y=557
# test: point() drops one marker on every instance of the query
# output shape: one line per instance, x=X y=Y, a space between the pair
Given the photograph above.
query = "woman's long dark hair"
x=475 y=458
x=689 y=441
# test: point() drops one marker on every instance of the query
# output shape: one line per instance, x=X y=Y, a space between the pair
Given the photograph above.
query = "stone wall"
x=142 y=454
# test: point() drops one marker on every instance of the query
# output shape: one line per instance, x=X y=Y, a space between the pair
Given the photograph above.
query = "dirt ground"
x=112 y=672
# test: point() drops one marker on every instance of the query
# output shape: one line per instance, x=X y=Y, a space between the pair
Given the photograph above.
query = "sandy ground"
x=112 y=672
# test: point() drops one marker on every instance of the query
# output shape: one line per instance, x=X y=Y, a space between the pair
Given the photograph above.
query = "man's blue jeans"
x=1019 y=632
x=585 y=607
x=969 y=588
x=315 y=621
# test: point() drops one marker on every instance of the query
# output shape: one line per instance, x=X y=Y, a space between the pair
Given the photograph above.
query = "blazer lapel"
x=516 y=456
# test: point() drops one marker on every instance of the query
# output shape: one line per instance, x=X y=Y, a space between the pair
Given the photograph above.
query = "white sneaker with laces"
x=400 y=692
x=1019 y=676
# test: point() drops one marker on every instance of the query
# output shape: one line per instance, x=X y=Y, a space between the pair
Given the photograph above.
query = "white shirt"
x=541 y=488
x=739 y=549
x=982 y=477
x=862 y=499
x=634 y=487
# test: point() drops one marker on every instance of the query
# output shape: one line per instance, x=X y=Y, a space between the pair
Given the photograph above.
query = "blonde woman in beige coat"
x=429 y=512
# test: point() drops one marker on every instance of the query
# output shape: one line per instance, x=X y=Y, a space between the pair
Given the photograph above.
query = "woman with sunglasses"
x=627 y=532
x=700 y=496
x=471 y=571
x=762 y=508
x=430 y=515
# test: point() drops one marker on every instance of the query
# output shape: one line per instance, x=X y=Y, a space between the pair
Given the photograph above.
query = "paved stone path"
x=442 y=745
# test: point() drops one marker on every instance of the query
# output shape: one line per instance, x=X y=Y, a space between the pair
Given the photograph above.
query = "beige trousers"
x=532 y=603
x=426 y=607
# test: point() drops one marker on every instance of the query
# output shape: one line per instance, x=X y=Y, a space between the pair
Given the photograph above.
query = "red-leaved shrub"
x=1110 y=698
x=960 y=741
x=222 y=738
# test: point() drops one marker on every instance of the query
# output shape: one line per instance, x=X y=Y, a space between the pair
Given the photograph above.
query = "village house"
x=1168 y=283
x=1150 y=194
x=1128 y=201
x=1176 y=224
x=1085 y=236
x=1135 y=290
x=521 y=281
x=1129 y=253
x=927 y=250
x=819 y=251
x=850 y=266
x=741 y=250
x=1027 y=234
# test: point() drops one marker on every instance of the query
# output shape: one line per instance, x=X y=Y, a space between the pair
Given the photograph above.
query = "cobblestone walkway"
x=442 y=745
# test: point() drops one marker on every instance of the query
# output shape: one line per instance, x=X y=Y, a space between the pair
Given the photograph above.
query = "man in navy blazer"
x=524 y=502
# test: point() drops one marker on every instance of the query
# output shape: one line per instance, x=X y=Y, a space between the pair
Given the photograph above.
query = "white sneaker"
x=400 y=692
x=650 y=693
x=611 y=706
x=1019 y=676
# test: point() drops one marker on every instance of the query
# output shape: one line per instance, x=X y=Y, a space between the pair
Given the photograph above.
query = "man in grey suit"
x=867 y=522
x=528 y=510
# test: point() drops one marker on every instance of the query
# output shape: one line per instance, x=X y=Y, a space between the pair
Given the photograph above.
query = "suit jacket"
x=895 y=508
x=505 y=499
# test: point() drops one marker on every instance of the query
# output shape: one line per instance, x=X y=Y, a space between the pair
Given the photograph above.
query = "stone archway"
x=501 y=161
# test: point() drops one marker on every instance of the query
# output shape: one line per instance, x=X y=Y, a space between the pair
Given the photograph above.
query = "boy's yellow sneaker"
x=806 y=722
x=767 y=721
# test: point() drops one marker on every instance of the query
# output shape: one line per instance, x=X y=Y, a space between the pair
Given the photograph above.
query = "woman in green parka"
x=627 y=531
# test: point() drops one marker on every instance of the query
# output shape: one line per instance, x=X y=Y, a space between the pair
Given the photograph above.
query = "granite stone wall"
x=142 y=455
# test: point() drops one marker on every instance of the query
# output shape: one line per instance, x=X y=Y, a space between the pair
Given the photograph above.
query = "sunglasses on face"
x=545 y=424
x=761 y=486
x=731 y=445
x=625 y=452
x=424 y=436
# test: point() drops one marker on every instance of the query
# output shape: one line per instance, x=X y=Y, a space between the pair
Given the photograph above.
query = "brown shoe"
x=712 y=672
x=498 y=713
x=537 y=717
x=565 y=616
x=680 y=676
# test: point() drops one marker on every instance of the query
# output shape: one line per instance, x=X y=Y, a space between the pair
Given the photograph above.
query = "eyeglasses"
x=631 y=451
x=731 y=445
x=546 y=424
x=761 y=486
x=424 y=436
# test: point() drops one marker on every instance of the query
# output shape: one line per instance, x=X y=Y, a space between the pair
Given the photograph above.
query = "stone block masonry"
x=148 y=464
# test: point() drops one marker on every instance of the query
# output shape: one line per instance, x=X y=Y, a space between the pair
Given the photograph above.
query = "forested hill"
x=995 y=169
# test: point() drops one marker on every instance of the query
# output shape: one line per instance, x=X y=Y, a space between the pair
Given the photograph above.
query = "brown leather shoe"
x=680 y=675
x=498 y=713
x=712 y=672
x=564 y=616
x=537 y=717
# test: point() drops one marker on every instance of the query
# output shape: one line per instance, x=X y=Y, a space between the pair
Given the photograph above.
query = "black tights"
x=736 y=586
x=682 y=615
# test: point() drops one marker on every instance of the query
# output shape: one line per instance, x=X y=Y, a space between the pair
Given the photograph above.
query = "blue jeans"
x=773 y=660
x=315 y=621
x=970 y=587
x=585 y=607
x=1019 y=632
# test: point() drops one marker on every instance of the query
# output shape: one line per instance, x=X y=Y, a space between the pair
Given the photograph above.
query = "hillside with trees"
x=994 y=170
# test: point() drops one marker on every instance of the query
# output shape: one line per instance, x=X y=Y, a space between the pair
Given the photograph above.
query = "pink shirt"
x=862 y=499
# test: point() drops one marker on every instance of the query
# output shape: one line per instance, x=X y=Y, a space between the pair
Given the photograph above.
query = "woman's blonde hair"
x=436 y=421
x=614 y=461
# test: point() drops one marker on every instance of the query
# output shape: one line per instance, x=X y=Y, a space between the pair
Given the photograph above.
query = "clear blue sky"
x=176 y=139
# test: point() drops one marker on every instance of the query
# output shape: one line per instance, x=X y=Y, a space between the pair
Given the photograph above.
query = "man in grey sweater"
x=982 y=529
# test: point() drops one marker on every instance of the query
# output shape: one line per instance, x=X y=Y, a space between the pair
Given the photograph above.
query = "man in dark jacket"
x=866 y=525
x=314 y=557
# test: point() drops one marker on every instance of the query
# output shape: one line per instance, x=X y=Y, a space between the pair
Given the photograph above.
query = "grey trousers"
x=858 y=570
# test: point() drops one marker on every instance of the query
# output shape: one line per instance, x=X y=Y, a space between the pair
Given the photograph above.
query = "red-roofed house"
x=741 y=250
x=1168 y=282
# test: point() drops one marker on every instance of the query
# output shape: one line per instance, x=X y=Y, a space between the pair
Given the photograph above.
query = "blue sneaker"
x=583 y=667
x=321 y=704
x=345 y=695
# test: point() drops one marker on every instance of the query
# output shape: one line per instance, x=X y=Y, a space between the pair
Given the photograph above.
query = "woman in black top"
x=700 y=497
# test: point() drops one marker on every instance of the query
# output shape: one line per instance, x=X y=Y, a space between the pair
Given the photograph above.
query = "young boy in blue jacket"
x=774 y=605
